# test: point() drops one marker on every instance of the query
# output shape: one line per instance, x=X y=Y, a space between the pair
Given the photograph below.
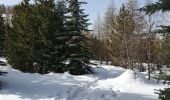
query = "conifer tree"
x=2 y=40
x=123 y=29
x=58 y=37
x=2 y=35
x=30 y=35
x=77 y=47
x=19 y=48
x=44 y=37
x=160 y=5
x=45 y=13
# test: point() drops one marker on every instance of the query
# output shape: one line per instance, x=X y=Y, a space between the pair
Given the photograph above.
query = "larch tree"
x=98 y=36
x=139 y=25
x=123 y=29
x=108 y=27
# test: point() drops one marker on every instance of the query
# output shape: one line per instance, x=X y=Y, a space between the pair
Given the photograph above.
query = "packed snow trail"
x=108 y=83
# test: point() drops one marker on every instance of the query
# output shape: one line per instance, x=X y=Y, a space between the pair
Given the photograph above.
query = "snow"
x=108 y=83
x=130 y=76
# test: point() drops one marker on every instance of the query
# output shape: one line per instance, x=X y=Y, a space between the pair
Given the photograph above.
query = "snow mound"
x=3 y=59
x=131 y=76
x=103 y=73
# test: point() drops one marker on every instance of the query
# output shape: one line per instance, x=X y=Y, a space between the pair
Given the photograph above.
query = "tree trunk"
x=126 y=45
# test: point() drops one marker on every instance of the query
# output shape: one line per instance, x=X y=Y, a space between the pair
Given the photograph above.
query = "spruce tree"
x=2 y=39
x=44 y=37
x=45 y=13
x=37 y=36
x=57 y=37
x=20 y=52
x=2 y=35
x=77 y=53
x=29 y=35
x=160 y=5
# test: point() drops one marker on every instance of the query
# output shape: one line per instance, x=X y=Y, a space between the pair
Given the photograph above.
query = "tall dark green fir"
x=2 y=35
x=57 y=37
x=29 y=36
x=2 y=40
x=78 y=52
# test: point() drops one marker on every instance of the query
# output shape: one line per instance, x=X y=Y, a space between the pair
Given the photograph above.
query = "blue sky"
x=93 y=8
x=97 y=7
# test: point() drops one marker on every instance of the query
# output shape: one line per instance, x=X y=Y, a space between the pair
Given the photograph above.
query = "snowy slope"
x=108 y=83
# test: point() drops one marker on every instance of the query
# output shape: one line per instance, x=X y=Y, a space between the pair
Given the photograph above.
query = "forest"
x=49 y=36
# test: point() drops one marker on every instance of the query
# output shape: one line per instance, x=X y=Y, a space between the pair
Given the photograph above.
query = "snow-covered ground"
x=108 y=83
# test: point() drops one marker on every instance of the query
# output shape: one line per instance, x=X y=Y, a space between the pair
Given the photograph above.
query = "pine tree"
x=19 y=49
x=2 y=35
x=163 y=94
x=2 y=39
x=45 y=38
x=160 y=5
x=30 y=36
x=45 y=13
x=78 y=52
x=58 y=37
